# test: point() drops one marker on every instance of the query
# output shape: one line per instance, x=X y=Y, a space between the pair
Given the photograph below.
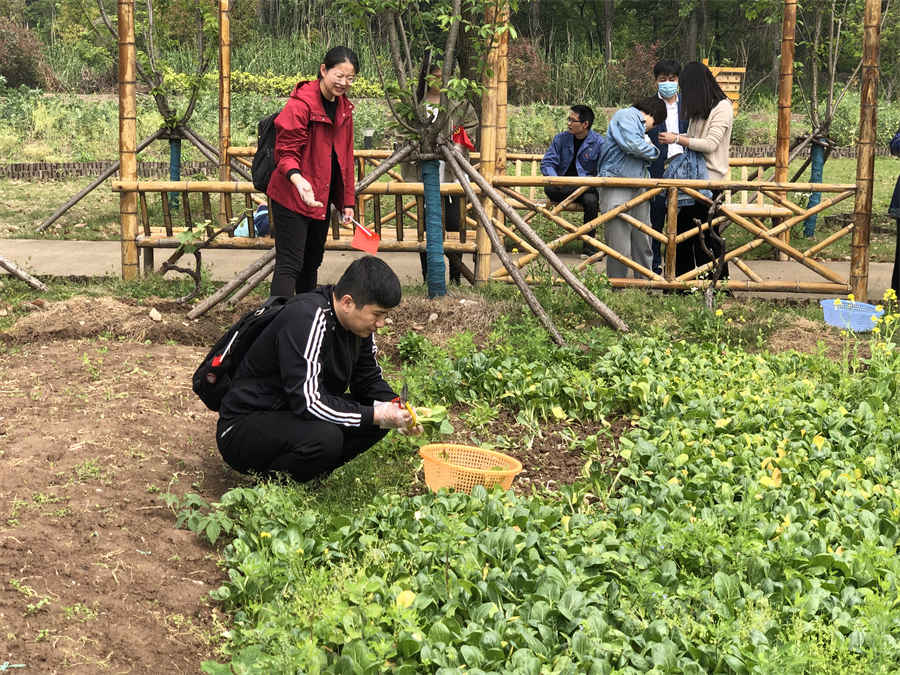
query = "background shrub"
x=631 y=77
x=529 y=74
x=20 y=55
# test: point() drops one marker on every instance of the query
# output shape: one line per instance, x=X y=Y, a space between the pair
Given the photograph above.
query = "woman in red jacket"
x=314 y=168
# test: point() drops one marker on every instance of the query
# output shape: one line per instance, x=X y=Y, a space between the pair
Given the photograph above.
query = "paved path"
x=103 y=258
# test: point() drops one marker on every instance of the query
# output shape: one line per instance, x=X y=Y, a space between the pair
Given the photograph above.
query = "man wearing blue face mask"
x=665 y=73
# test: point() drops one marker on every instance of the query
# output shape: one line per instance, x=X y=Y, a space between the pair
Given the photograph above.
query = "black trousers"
x=299 y=249
x=589 y=200
x=689 y=253
x=279 y=440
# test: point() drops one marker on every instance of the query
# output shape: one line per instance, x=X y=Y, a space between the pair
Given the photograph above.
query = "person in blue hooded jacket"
x=627 y=153
x=575 y=153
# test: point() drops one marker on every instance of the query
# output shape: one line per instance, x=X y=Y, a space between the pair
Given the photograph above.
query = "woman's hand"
x=305 y=189
x=348 y=214
x=667 y=137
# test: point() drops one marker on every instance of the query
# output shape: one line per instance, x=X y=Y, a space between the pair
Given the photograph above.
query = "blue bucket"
x=855 y=316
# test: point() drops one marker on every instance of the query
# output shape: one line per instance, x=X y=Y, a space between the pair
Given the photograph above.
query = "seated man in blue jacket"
x=665 y=74
x=575 y=153
x=309 y=395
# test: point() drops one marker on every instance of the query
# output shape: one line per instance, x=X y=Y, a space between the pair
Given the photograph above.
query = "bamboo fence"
x=394 y=208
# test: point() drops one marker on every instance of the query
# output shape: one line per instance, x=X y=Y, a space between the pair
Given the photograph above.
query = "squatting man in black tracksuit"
x=309 y=395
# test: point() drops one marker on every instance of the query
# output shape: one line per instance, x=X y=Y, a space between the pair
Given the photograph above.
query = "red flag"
x=460 y=136
x=365 y=239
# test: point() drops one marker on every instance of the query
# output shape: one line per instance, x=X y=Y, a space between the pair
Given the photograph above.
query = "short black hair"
x=653 y=106
x=337 y=55
x=585 y=114
x=369 y=281
x=666 y=67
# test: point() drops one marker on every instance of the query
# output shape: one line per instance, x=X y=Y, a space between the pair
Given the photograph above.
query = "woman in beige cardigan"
x=710 y=116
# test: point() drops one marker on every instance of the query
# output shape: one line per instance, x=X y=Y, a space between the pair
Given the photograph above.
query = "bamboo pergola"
x=394 y=208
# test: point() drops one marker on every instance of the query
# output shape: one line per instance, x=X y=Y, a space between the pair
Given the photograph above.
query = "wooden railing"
x=395 y=209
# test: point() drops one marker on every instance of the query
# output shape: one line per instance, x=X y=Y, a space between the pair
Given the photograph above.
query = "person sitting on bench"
x=575 y=152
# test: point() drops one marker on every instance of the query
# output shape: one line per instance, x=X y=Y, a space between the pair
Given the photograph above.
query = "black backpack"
x=213 y=377
x=264 y=159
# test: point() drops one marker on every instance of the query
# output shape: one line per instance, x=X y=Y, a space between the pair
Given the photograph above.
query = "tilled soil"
x=97 y=422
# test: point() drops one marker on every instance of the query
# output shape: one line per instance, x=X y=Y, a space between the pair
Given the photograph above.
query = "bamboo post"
x=13 y=269
x=514 y=272
x=253 y=282
x=671 y=233
x=574 y=282
x=488 y=147
x=254 y=267
x=785 y=86
x=224 y=102
x=865 y=154
x=127 y=139
x=502 y=76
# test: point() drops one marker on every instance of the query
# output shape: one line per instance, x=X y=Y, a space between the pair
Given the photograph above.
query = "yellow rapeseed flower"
x=405 y=599
x=890 y=295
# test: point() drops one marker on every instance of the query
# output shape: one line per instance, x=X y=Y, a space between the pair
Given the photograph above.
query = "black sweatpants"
x=279 y=440
x=589 y=200
x=299 y=249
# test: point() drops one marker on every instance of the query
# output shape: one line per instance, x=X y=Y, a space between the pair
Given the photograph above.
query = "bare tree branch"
x=387 y=98
x=148 y=36
x=405 y=42
x=394 y=45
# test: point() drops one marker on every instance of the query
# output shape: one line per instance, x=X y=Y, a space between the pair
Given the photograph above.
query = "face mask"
x=667 y=89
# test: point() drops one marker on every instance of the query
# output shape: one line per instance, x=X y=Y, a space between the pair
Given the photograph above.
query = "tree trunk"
x=434 y=233
x=690 y=38
x=609 y=10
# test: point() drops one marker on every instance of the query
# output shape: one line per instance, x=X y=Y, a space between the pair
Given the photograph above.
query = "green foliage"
x=845 y=127
x=267 y=84
x=529 y=73
x=20 y=54
x=753 y=528
x=200 y=517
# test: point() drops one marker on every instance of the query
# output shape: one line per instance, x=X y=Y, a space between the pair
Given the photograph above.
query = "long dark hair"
x=699 y=91
x=338 y=55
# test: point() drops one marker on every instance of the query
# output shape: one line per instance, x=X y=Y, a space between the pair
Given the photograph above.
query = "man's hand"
x=305 y=189
x=389 y=416
x=411 y=431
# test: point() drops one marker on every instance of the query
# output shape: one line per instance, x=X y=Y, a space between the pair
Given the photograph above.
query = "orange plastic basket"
x=462 y=467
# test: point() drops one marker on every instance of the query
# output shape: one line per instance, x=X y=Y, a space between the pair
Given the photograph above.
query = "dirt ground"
x=97 y=421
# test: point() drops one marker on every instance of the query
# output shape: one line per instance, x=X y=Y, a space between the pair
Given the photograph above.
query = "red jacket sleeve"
x=291 y=136
x=349 y=173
